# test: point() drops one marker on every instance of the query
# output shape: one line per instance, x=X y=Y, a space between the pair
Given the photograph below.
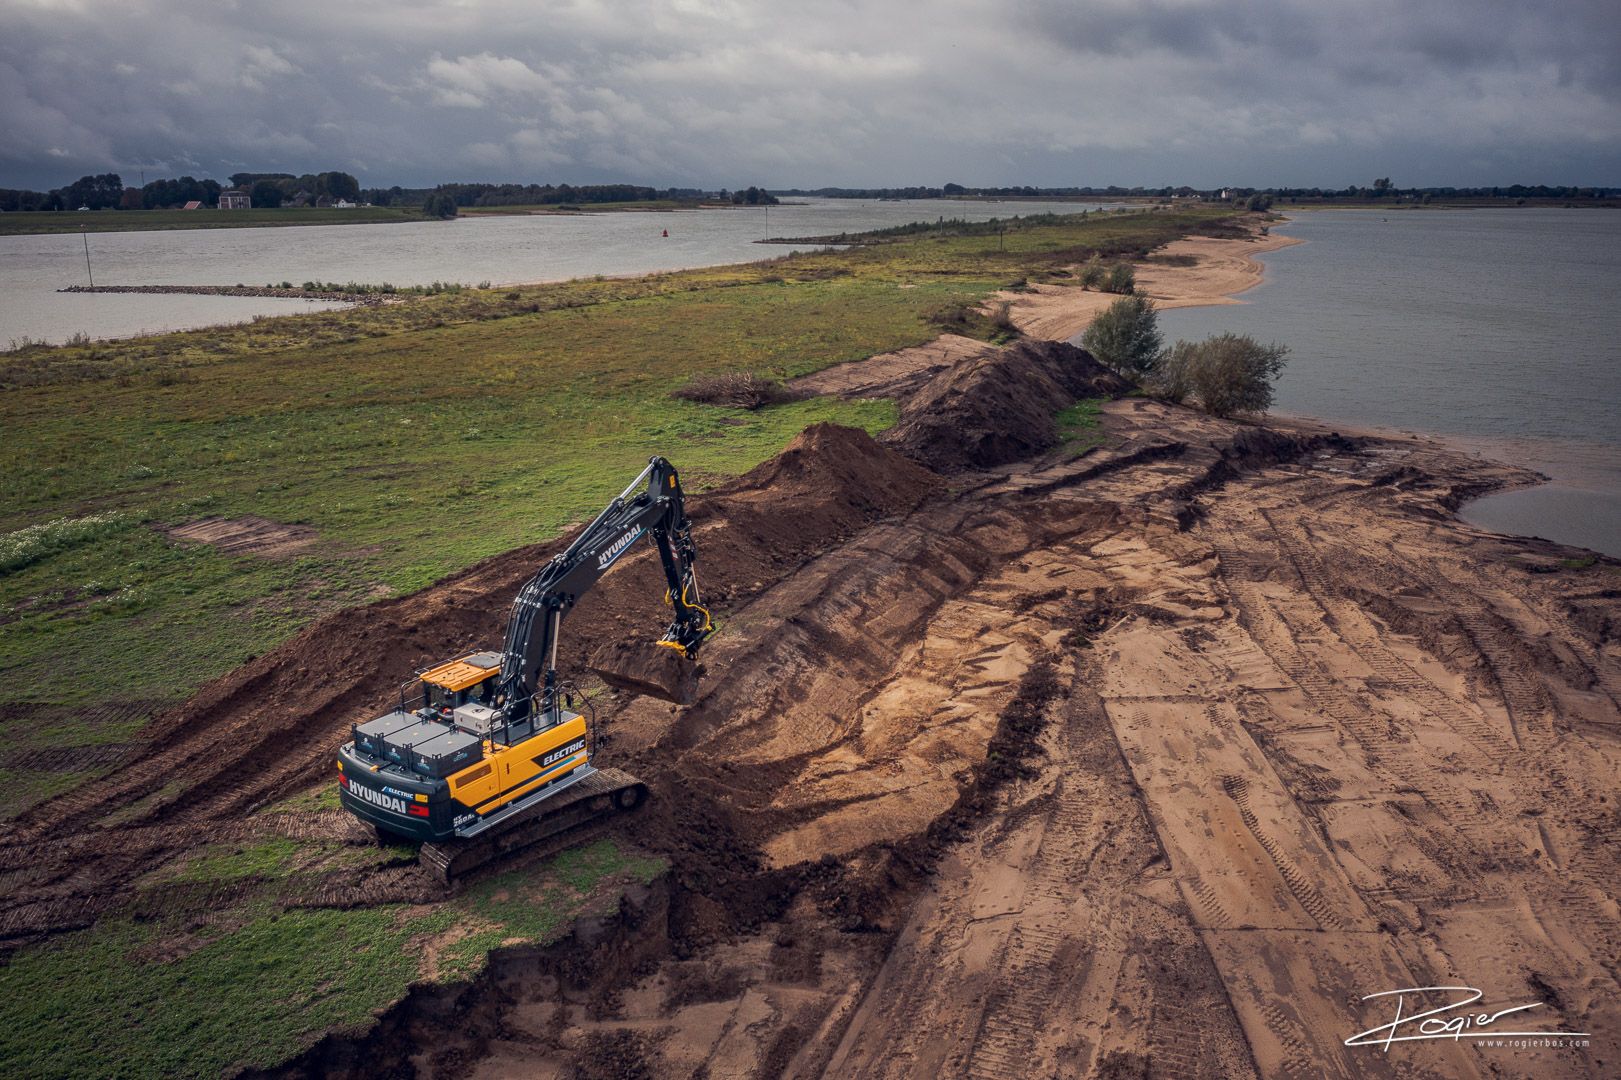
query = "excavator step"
x=600 y=795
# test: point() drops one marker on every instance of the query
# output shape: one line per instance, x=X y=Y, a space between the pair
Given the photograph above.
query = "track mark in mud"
x=248 y=535
x=1238 y=789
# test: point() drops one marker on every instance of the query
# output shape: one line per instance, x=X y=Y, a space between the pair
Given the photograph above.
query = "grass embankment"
x=61 y=221
x=413 y=439
x=206 y=994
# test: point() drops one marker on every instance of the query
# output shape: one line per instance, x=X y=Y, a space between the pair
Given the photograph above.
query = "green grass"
x=61 y=221
x=22 y=788
x=418 y=438
x=316 y=799
x=227 y=862
x=112 y=1001
x=1078 y=426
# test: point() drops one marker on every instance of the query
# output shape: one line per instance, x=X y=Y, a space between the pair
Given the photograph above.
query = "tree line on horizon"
x=274 y=189
x=108 y=191
x=1379 y=189
x=471 y=195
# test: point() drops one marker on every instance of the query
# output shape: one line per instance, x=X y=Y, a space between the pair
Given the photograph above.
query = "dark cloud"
x=716 y=92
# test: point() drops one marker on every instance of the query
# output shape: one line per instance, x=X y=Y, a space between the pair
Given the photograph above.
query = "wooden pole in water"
x=85 y=236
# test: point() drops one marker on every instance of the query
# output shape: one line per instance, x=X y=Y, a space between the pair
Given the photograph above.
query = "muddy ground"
x=1010 y=760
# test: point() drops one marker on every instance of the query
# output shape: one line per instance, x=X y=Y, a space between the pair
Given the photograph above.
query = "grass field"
x=413 y=439
x=60 y=221
x=250 y=984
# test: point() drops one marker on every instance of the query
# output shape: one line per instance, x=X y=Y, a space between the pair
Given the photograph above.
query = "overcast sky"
x=862 y=93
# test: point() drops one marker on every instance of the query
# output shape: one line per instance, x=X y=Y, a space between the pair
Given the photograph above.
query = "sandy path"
x=1222 y=269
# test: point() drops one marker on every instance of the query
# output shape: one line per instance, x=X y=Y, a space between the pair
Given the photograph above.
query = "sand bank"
x=1220 y=270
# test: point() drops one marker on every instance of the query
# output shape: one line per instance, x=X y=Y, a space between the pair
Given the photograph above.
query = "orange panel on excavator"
x=460 y=674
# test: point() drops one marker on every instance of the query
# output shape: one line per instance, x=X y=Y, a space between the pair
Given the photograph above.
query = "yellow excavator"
x=484 y=753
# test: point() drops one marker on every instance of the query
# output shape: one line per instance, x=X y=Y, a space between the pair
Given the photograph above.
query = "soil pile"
x=640 y=667
x=998 y=408
x=829 y=482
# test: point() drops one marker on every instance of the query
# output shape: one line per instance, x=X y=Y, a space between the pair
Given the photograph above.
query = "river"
x=1499 y=329
x=499 y=249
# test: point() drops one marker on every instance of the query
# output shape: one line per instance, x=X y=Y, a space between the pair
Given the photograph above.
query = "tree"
x=339 y=185
x=266 y=193
x=1229 y=373
x=1126 y=336
x=1122 y=279
x=97 y=192
x=439 y=205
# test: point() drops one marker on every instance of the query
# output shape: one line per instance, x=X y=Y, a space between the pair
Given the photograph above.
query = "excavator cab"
x=468 y=680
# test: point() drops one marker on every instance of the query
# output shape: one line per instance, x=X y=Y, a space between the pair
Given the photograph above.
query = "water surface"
x=1500 y=328
x=498 y=249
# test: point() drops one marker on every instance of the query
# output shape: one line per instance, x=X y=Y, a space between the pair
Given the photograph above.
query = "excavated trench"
x=918 y=797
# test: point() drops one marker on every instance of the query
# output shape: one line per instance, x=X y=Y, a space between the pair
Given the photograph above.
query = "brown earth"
x=1151 y=761
x=643 y=667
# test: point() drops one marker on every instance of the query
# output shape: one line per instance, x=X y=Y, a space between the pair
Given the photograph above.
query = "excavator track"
x=603 y=794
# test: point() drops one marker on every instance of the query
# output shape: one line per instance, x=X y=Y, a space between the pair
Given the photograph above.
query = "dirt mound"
x=642 y=667
x=998 y=408
x=829 y=482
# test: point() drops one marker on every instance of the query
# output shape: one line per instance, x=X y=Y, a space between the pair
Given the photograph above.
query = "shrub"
x=439 y=205
x=1125 y=336
x=1093 y=274
x=1229 y=373
x=1122 y=279
x=1001 y=317
x=737 y=389
x=25 y=547
x=1170 y=379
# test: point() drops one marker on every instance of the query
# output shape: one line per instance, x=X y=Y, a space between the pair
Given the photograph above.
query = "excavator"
x=485 y=753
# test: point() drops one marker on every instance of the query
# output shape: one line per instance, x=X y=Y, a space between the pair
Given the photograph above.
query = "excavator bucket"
x=645 y=668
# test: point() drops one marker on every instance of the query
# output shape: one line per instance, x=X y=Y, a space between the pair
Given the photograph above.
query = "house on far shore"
x=195 y=204
x=234 y=200
x=342 y=204
x=324 y=202
x=303 y=198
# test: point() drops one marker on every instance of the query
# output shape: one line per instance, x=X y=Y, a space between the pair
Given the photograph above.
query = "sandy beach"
x=1220 y=271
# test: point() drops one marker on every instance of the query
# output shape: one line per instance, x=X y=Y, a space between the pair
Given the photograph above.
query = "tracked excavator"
x=485 y=754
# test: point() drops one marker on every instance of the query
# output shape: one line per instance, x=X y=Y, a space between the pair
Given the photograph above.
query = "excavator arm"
x=650 y=506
